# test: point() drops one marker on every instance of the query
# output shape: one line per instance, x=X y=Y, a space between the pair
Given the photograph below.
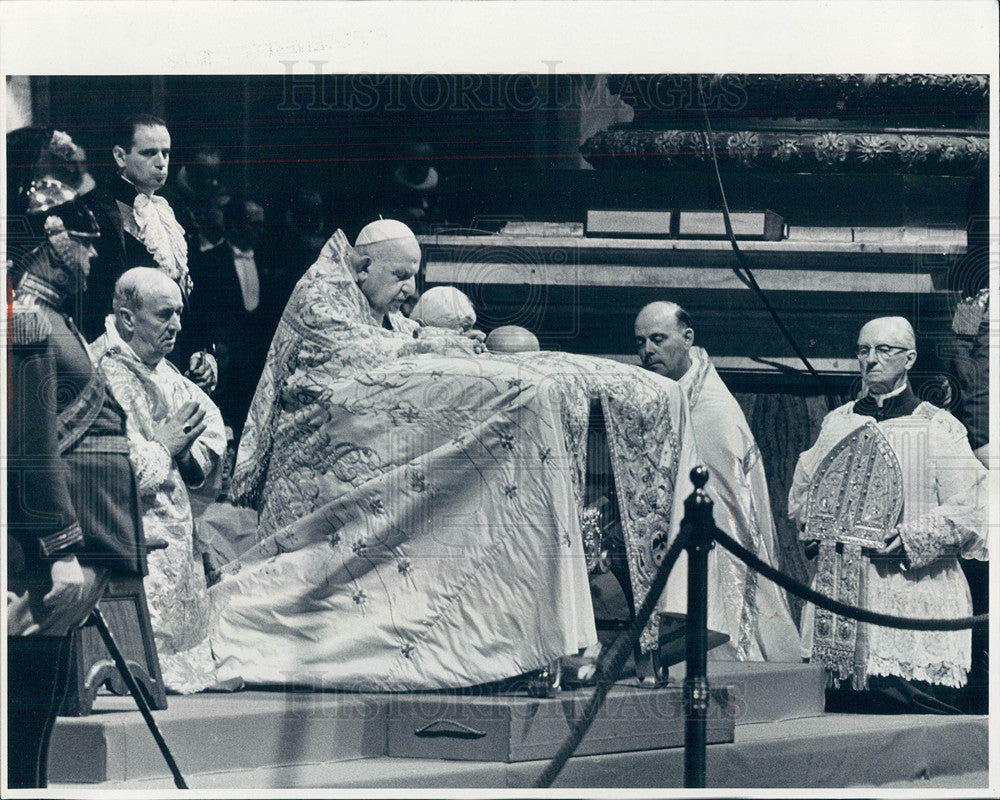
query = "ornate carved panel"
x=797 y=151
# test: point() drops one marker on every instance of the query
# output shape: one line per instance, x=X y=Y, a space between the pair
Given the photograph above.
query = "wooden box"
x=509 y=728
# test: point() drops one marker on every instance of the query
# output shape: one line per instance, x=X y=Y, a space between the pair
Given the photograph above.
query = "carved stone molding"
x=790 y=151
x=958 y=97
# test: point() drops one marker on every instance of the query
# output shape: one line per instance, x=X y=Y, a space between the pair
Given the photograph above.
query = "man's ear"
x=689 y=336
x=359 y=263
x=126 y=320
x=911 y=359
x=119 y=155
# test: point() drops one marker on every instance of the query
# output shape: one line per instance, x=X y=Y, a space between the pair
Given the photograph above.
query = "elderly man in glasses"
x=889 y=497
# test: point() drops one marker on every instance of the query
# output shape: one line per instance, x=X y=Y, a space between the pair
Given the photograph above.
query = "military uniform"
x=71 y=491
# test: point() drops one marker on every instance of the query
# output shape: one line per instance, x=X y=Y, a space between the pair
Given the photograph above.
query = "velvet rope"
x=625 y=643
x=844 y=610
x=621 y=649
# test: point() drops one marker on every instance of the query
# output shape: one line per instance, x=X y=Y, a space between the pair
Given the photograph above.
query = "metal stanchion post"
x=698 y=520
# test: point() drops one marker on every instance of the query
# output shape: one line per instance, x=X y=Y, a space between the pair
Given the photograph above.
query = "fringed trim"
x=944 y=673
x=840 y=665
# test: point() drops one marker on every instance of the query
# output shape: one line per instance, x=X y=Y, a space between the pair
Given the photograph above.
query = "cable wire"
x=746 y=276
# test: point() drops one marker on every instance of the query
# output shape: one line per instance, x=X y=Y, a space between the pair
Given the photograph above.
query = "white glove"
x=67 y=583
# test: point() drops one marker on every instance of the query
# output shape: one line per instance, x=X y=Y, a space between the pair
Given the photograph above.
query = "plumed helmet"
x=39 y=203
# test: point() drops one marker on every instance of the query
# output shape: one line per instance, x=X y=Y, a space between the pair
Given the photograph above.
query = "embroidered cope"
x=175 y=586
x=420 y=507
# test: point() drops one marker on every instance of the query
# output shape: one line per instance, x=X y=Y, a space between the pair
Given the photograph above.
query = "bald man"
x=911 y=568
x=753 y=611
x=176 y=443
x=444 y=307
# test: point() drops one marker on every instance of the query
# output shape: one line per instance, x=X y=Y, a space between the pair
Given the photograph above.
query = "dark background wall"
x=503 y=144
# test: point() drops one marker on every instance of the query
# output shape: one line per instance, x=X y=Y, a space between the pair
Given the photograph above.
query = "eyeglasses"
x=881 y=350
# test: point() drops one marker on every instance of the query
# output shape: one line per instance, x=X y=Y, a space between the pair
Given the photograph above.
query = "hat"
x=38 y=152
x=49 y=198
x=383 y=230
x=40 y=211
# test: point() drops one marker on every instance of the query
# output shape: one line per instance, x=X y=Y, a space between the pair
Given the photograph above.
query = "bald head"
x=663 y=337
x=890 y=330
x=136 y=282
x=148 y=306
x=512 y=339
x=444 y=307
x=662 y=310
x=886 y=352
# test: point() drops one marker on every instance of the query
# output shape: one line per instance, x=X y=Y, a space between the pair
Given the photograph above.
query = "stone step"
x=831 y=752
x=279 y=728
x=216 y=732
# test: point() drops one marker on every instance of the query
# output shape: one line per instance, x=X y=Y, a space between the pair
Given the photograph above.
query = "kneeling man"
x=176 y=443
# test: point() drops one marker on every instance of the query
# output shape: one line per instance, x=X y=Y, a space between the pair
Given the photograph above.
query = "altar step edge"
x=834 y=751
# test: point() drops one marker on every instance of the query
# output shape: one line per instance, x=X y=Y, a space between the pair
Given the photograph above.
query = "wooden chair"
x=123 y=605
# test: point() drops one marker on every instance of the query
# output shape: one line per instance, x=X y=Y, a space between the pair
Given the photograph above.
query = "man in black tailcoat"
x=139 y=229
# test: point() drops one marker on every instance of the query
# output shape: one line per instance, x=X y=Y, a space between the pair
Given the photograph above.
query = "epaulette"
x=29 y=324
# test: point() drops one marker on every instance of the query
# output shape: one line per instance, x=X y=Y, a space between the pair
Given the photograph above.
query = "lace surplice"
x=944 y=516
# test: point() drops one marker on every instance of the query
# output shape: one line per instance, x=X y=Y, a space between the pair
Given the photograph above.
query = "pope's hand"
x=478 y=340
x=67 y=583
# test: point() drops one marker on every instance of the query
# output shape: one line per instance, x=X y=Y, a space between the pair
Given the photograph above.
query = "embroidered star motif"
x=510 y=491
x=409 y=414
